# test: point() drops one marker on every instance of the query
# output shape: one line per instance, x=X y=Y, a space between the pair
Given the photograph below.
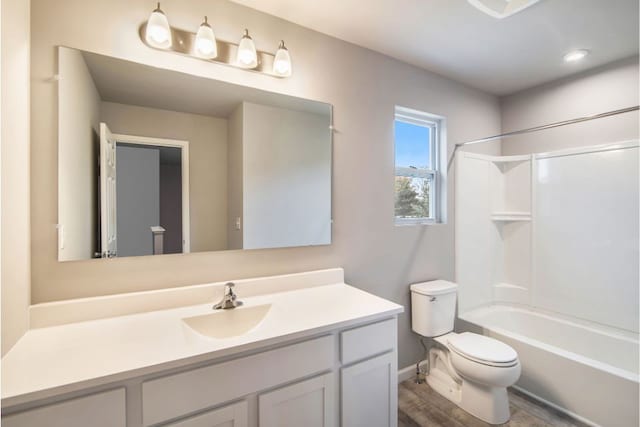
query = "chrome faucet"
x=229 y=300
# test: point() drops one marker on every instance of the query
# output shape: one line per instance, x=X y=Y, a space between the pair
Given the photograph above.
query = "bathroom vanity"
x=303 y=350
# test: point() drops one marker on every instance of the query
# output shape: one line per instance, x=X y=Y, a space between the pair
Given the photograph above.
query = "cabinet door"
x=105 y=409
x=308 y=403
x=370 y=393
x=235 y=415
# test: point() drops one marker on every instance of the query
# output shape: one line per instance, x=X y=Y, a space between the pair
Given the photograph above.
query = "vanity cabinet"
x=343 y=377
x=368 y=378
x=176 y=395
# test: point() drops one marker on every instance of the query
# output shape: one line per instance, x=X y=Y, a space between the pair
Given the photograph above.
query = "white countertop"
x=58 y=359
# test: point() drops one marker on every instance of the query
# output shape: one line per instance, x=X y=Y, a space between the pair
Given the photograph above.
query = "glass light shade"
x=206 y=46
x=282 y=62
x=158 y=32
x=247 y=55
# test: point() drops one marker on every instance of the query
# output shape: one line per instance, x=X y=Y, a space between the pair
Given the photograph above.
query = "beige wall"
x=234 y=178
x=207 y=138
x=14 y=167
x=79 y=113
x=363 y=87
x=286 y=177
x=607 y=88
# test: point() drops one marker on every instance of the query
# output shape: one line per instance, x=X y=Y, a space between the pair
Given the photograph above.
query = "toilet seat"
x=483 y=350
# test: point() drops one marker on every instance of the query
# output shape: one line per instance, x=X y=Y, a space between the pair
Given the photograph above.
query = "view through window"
x=416 y=167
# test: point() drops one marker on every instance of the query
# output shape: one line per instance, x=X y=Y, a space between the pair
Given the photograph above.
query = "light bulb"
x=575 y=55
x=206 y=46
x=247 y=55
x=282 y=61
x=158 y=32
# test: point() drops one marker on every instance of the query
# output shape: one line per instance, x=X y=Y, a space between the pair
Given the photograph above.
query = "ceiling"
x=453 y=38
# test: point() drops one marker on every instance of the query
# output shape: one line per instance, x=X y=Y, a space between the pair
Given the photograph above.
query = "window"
x=420 y=153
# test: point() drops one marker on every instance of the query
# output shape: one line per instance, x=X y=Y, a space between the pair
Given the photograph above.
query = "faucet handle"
x=228 y=288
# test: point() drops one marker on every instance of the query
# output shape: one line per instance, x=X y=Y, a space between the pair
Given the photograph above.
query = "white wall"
x=15 y=170
x=79 y=113
x=287 y=177
x=138 y=198
x=235 y=170
x=363 y=87
x=607 y=88
x=207 y=138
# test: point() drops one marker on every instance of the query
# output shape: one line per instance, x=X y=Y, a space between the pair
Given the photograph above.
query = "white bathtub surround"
x=53 y=363
x=585 y=370
x=518 y=216
x=556 y=235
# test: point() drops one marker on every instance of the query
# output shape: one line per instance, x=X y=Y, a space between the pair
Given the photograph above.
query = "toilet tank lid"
x=434 y=287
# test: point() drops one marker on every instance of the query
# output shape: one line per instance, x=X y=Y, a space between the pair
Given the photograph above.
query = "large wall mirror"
x=153 y=161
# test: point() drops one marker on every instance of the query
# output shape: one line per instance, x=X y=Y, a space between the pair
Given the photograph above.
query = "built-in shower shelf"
x=508 y=216
x=511 y=159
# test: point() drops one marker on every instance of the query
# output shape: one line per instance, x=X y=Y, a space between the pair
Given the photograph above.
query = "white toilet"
x=471 y=370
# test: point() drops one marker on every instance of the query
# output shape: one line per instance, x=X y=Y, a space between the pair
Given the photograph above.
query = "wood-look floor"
x=420 y=406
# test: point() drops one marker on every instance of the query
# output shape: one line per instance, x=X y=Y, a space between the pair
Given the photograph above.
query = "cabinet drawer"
x=106 y=409
x=180 y=394
x=366 y=341
x=235 y=415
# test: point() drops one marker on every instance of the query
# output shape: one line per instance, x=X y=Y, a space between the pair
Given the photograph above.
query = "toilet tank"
x=433 y=307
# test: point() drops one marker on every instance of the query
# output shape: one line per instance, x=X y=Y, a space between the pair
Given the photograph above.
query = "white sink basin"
x=228 y=323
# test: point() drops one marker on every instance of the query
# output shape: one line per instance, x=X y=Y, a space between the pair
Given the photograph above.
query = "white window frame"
x=437 y=168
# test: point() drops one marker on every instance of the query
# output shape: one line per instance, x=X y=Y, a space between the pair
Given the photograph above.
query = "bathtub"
x=585 y=370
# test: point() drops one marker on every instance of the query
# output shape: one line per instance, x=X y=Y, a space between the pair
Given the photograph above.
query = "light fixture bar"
x=184 y=44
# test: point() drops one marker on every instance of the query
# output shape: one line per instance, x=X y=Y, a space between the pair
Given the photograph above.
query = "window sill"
x=403 y=222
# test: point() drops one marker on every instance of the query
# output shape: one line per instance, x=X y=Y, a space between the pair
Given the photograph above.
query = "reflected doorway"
x=151 y=197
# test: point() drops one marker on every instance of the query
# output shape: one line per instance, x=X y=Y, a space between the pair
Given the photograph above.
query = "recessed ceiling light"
x=575 y=55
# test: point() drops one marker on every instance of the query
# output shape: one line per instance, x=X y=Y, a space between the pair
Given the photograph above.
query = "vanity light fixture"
x=247 y=55
x=158 y=32
x=575 y=55
x=206 y=46
x=282 y=61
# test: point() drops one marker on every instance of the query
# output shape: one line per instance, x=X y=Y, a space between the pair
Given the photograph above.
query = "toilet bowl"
x=475 y=374
x=471 y=370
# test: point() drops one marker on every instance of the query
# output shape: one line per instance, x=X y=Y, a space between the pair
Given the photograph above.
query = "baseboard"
x=556 y=407
x=406 y=373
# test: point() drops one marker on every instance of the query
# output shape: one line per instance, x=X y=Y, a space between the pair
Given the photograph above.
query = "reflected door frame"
x=184 y=149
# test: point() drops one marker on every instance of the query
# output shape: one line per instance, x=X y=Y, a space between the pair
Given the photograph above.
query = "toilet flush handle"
x=432 y=299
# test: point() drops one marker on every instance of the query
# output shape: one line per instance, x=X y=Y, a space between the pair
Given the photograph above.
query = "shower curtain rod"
x=550 y=126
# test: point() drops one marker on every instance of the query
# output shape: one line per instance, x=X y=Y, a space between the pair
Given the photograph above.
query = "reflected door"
x=108 y=224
